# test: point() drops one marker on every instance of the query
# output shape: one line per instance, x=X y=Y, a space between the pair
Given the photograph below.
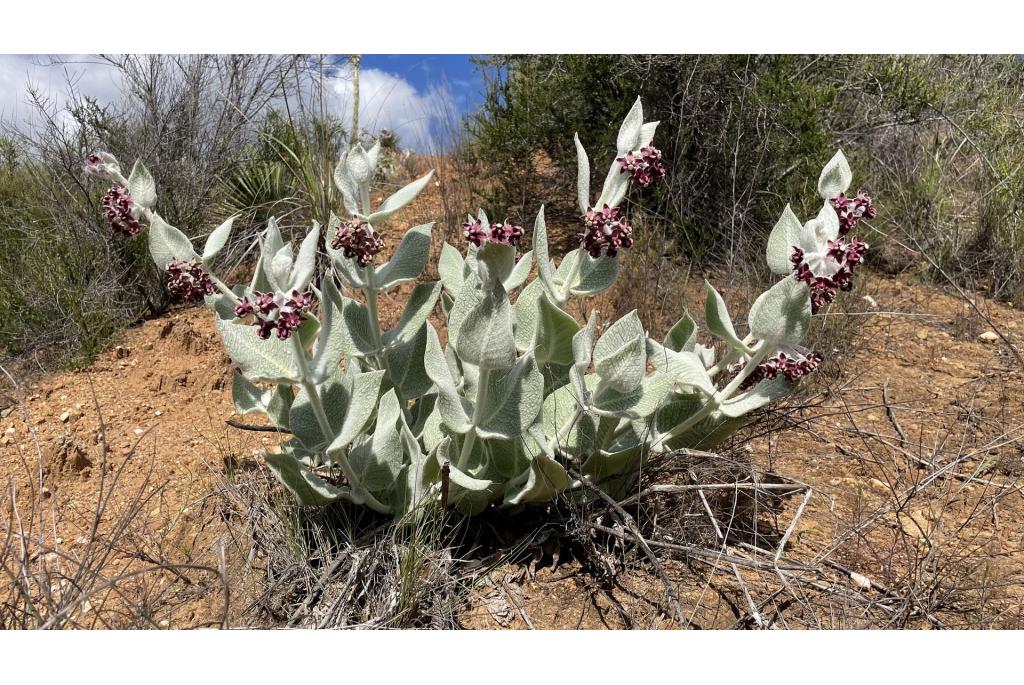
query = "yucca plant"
x=520 y=393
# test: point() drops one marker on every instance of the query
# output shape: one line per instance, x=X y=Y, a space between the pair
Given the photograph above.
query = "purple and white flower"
x=275 y=312
x=829 y=269
x=121 y=211
x=643 y=167
x=851 y=210
x=501 y=233
x=792 y=363
x=358 y=241
x=606 y=232
x=188 y=281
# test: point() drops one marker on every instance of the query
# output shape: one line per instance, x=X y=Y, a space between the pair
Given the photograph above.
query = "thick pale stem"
x=713 y=403
x=359 y=494
x=729 y=358
x=370 y=291
x=311 y=391
x=223 y=288
x=481 y=396
x=570 y=279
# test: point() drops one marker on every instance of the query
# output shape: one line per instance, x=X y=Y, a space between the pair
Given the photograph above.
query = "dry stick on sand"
x=259 y=429
x=670 y=589
x=708 y=556
x=735 y=570
x=892 y=415
x=668 y=489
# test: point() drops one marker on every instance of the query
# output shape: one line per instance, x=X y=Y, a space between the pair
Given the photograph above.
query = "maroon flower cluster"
x=188 y=281
x=792 y=366
x=851 y=210
x=358 y=240
x=643 y=167
x=120 y=211
x=845 y=257
x=606 y=232
x=275 y=311
x=502 y=233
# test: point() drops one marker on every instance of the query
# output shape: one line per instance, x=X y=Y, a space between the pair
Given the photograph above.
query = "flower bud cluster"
x=792 y=365
x=851 y=210
x=276 y=312
x=501 y=233
x=103 y=165
x=643 y=167
x=358 y=240
x=606 y=232
x=188 y=281
x=121 y=211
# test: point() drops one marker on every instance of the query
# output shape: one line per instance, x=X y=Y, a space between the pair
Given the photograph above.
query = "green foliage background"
x=936 y=140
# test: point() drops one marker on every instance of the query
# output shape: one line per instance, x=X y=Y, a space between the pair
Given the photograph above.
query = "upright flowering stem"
x=310 y=387
x=359 y=494
x=729 y=358
x=223 y=288
x=481 y=396
x=713 y=403
x=370 y=291
x=571 y=278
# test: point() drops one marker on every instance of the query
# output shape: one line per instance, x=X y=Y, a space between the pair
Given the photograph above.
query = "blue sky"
x=419 y=97
x=425 y=71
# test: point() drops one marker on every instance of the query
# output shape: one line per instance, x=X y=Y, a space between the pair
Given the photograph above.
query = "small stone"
x=148 y=346
x=878 y=485
x=6 y=440
x=65 y=417
x=158 y=413
x=165 y=623
x=11 y=430
x=121 y=352
x=989 y=337
x=922 y=334
x=138 y=431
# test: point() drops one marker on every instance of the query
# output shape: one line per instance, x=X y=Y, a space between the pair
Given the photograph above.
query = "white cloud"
x=389 y=101
x=54 y=79
x=385 y=100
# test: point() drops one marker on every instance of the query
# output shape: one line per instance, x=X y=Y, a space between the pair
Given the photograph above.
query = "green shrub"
x=937 y=136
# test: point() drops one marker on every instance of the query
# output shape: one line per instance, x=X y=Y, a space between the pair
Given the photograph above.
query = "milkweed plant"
x=520 y=394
